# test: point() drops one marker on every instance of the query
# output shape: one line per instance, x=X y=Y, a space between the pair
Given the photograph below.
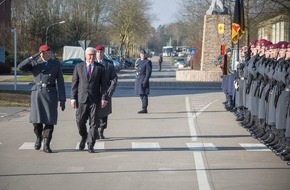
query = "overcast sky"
x=165 y=11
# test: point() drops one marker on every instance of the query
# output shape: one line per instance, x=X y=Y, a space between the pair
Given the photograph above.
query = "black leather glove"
x=144 y=85
x=35 y=55
x=62 y=105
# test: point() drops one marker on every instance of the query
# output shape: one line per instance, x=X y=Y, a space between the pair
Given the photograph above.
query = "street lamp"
x=46 y=35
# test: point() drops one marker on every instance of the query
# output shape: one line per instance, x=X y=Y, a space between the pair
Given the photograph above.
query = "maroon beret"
x=275 y=46
x=283 y=45
x=253 y=43
x=264 y=42
x=44 y=48
x=100 y=48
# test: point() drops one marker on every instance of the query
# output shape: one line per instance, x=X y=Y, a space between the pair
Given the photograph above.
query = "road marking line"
x=145 y=145
x=27 y=146
x=200 y=172
x=98 y=145
x=254 y=147
x=190 y=119
x=201 y=146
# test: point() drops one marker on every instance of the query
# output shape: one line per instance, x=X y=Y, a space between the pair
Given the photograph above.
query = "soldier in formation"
x=262 y=94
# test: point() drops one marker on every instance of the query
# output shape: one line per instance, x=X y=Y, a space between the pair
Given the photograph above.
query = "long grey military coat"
x=44 y=94
x=111 y=83
x=143 y=74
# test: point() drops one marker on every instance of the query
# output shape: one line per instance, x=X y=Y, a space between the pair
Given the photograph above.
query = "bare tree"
x=129 y=21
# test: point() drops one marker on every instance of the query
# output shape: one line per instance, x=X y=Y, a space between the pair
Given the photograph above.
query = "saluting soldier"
x=285 y=153
x=47 y=90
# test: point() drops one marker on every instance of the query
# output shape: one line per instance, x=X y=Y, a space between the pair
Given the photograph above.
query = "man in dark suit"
x=88 y=95
x=45 y=94
x=111 y=83
x=143 y=68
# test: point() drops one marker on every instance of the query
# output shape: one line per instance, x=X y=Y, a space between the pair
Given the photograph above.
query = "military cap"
x=100 y=48
x=43 y=48
x=283 y=45
x=143 y=51
x=253 y=43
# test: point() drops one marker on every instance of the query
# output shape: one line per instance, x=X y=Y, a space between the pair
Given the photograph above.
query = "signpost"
x=84 y=43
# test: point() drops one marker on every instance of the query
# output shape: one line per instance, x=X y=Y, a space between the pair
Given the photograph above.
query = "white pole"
x=15 y=59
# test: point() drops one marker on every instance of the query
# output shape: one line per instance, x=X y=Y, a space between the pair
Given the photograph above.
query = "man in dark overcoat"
x=111 y=83
x=143 y=68
x=88 y=95
x=47 y=76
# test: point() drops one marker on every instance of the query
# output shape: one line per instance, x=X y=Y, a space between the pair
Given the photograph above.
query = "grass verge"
x=15 y=98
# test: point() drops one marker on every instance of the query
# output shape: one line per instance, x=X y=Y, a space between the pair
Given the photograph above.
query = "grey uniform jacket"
x=143 y=74
x=44 y=94
x=111 y=83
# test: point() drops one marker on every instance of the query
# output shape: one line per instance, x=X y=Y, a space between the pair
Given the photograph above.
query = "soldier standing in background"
x=160 y=60
x=143 y=68
x=44 y=94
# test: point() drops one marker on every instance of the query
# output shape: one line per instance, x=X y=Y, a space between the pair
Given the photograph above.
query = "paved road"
x=187 y=141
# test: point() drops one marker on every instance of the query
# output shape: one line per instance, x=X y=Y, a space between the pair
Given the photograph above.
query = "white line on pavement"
x=145 y=145
x=254 y=147
x=201 y=146
x=190 y=119
x=200 y=172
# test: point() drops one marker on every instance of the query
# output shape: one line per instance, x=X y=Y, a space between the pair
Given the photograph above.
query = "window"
x=261 y=33
x=278 y=32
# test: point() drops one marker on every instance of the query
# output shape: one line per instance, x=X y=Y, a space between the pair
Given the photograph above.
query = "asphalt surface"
x=186 y=141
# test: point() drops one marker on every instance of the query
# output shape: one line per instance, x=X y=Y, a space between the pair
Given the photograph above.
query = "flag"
x=221 y=28
x=238 y=25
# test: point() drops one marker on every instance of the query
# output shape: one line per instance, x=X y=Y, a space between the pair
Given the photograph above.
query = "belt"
x=43 y=85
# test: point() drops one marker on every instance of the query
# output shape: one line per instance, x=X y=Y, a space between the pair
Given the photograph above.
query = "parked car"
x=68 y=66
x=180 y=63
x=116 y=63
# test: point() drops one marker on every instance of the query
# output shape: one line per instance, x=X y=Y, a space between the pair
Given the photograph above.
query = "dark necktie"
x=89 y=71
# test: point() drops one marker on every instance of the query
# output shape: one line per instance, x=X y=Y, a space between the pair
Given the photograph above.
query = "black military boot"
x=46 y=145
x=144 y=110
x=101 y=133
x=38 y=128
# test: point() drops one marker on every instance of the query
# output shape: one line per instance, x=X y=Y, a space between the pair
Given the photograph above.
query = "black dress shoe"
x=82 y=144
x=37 y=144
x=143 y=111
x=285 y=157
x=102 y=135
x=91 y=148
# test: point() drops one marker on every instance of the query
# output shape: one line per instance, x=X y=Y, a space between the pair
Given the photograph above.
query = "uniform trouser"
x=254 y=99
x=160 y=67
x=87 y=111
x=144 y=100
x=103 y=122
x=45 y=132
x=281 y=110
x=287 y=131
x=272 y=109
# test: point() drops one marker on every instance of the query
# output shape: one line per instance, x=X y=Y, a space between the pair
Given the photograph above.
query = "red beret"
x=100 y=47
x=264 y=42
x=44 y=48
x=253 y=43
x=283 y=45
x=275 y=46
x=288 y=46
